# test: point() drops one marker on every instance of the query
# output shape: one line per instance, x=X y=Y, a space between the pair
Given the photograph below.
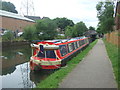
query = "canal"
x=16 y=71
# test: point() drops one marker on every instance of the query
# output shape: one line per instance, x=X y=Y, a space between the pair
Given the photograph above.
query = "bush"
x=46 y=29
x=19 y=39
x=29 y=33
x=8 y=36
x=60 y=37
x=43 y=30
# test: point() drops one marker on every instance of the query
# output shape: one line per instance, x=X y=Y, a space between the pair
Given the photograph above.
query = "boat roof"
x=59 y=41
x=64 y=40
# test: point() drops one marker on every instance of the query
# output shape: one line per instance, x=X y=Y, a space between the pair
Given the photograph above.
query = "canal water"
x=16 y=71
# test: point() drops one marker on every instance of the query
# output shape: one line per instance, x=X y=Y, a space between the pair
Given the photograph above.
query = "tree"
x=29 y=33
x=69 y=31
x=105 y=11
x=76 y=30
x=62 y=23
x=8 y=6
x=98 y=30
x=46 y=29
x=79 y=29
x=8 y=36
x=91 y=28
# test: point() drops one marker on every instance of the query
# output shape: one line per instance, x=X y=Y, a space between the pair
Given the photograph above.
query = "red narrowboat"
x=51 y=54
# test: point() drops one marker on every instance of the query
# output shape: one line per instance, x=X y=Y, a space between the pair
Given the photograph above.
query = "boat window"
x=67 y=48
x=78 y=44
x=81 y=42
x=85 y=40
x=63 y=50
x=75 y=45
x=41 y=54
x=49 y=54
x=71 y=47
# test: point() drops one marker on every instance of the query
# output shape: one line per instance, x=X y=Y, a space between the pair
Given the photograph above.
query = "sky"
x=75 y=10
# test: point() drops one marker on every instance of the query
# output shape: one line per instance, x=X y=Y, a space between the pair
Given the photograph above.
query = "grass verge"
x=112 y=51
x=54 y=79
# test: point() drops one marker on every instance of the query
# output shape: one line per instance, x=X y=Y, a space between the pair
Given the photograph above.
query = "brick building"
x=12 y=21
x=117 y=16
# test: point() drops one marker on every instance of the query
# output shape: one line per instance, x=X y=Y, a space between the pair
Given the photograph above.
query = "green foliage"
x=60 y=37
x=107 y=25
x=99 y=30
x=69 y=31
x=54 y=79
x=79 y=29
x=29 y=33
x=118 y=15
x=112 y=51
x=7 y=6
x=91 y=28
x=105 y=11
x=46 y=29
x=18 y=39
x=62 y=23
x=8 y=36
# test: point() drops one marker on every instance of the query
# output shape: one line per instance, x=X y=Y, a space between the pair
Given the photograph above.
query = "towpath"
x=95 y=71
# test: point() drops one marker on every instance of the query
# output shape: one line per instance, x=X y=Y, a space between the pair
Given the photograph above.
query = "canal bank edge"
x=54 y=79
x=14 y=43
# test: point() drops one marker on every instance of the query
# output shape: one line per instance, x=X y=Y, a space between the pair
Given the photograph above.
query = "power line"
x=27 y=8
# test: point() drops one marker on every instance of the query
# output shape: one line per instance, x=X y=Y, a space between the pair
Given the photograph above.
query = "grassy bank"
x=112 y=51
x=54 y=79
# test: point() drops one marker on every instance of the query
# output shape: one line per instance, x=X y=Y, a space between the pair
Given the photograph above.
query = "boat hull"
x=50 y=55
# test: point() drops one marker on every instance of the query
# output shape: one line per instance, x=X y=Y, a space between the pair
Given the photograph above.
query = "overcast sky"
x=76 y=10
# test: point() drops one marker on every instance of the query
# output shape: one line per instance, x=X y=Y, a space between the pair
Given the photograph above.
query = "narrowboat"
x=51 y=54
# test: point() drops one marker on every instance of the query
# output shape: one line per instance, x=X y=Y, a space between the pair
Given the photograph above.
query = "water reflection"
x=13 y=56
x=16 y=71
x=19 y=78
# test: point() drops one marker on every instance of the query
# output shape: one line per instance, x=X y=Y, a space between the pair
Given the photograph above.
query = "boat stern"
x=44 y=63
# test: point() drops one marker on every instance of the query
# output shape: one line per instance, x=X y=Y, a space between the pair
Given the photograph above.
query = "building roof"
x=33 y=17
x=13 y=15
x=90 y=32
